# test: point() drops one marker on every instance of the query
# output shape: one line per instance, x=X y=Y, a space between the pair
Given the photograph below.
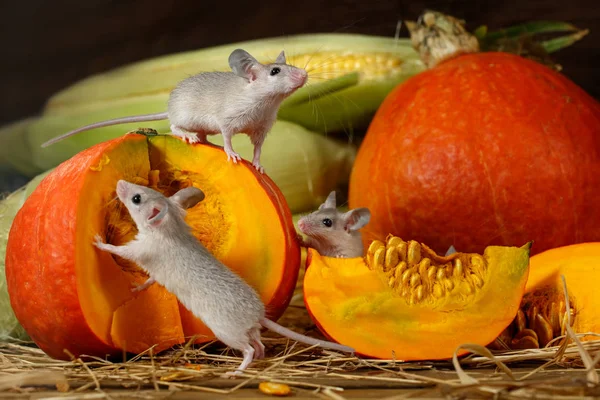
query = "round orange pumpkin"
x=69 y=296
x=482 y=149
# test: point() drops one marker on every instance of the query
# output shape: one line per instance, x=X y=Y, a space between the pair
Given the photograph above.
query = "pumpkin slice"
x=542 y=314
x=404 y=301
x=68 y=295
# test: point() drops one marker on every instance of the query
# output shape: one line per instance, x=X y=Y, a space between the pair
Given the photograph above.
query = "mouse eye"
x=275 y=71
x=136 y=199
x=327 y=222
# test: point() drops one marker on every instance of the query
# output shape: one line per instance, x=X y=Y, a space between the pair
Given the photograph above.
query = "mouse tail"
x=116 y=121
x=275 y=327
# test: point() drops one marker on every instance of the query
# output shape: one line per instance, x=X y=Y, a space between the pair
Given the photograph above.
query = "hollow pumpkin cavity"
x=406 y=302
x=542 y=317
x=243 y=220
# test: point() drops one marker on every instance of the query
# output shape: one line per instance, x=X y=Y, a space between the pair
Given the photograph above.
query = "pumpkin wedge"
x=542 y=314
x=403 y=301
x=69 y=296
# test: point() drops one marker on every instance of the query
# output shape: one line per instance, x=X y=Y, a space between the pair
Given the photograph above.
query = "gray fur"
x=166 y=249
x=343 y=239
x=245 y=100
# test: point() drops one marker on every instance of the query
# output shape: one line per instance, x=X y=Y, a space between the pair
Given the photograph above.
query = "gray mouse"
x=244 y=100
x=333 y=233
x=166 y=249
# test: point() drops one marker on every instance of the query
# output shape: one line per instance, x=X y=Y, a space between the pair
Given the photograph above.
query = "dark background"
x=48 y=45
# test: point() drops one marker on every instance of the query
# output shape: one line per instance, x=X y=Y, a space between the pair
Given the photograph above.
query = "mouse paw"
x=258 y=167
x=98 y=242
x=233 y=156
x=191 y=138
x=231 y=374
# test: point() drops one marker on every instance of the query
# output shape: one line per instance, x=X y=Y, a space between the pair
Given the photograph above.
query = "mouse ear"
x=329 y=202
x=280 y=58
x=157 y=212
x=243 y=64
x=356 y=219
x=188 y=197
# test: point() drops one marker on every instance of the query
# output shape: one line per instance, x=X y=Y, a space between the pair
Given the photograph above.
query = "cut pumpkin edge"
x=179 y=311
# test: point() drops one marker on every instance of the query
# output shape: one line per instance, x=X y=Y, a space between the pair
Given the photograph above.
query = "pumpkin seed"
x=543 y=329
x=393 y=241
x=413 y=252
x=520 y=321
x=406 y=276
x=400 y=269
x=415 y=279
x=431 y=272
x=441 y=273
x=458 y=268
x=379 y=258
x=402 y=251
x=391 y=258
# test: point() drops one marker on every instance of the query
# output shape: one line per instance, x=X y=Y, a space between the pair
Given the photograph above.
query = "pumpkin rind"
x=41 y=266
x=353 y=305
x=69 y=295
x=483 y=149
x=580 y=264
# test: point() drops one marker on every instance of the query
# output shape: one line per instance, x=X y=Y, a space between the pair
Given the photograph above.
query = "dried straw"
x=564 y=370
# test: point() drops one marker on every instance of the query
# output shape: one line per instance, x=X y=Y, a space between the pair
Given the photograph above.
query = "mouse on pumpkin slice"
x=173 y=257
x=243 y=100
x=333 y=233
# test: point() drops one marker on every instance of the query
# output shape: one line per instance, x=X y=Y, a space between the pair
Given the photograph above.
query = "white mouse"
x=166 y=249
x=333 y=233
x=245 y=100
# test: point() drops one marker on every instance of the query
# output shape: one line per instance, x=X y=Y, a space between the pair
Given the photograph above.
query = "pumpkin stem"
x=438 y=37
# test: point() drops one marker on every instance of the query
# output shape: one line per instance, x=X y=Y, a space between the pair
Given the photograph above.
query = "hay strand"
x=565 y=368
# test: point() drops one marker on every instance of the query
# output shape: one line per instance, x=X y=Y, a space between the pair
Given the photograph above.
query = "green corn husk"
x=350 y=75
x=9 y=206
x=378 y=61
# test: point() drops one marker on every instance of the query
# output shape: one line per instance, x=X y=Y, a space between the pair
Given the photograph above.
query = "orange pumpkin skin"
x=40 y=271
x=483 y=149
x=70 y=296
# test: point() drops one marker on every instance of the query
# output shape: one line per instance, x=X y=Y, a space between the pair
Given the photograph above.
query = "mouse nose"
x=301 y=225
x=300 y=77
x=303 y=77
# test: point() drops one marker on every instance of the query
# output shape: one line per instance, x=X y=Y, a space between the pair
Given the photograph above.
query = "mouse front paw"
x=98 y=242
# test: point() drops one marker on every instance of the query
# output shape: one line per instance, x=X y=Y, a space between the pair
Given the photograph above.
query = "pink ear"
x=158 y=213
x=356 y=219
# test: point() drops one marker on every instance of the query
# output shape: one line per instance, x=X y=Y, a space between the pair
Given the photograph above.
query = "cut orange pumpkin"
x=68 y=295
x=542 y=314
x=405 y=302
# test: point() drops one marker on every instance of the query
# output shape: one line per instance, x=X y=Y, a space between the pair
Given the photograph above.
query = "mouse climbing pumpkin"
x=89 y=307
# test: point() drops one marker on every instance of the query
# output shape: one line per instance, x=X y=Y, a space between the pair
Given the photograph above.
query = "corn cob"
x=326 y=56
x=349 y=77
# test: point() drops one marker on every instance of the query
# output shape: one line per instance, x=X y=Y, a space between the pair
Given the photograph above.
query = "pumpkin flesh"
x=362 y=307
x=88 y=306
x=542 y=314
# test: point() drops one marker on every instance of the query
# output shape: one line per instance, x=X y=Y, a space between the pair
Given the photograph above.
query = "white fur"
x=343 y=238
x=245 y=100
x=166 y=249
